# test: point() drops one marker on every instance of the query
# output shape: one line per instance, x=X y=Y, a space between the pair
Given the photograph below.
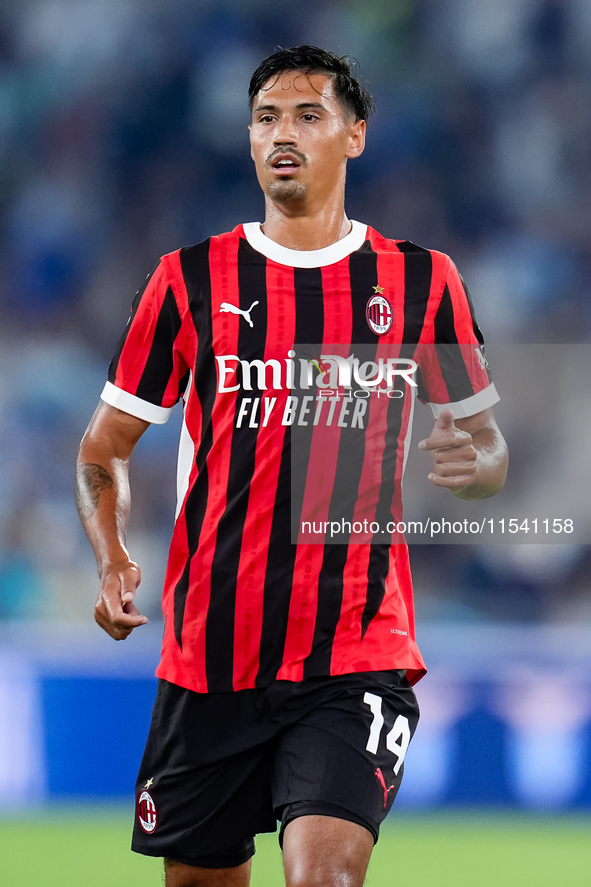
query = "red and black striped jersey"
x=259 y=341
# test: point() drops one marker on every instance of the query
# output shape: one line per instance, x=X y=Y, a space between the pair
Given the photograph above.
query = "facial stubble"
x=288 y=191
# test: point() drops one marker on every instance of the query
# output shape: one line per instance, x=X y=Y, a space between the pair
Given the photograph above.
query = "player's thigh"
x=345 y=756
x=179 y=874
x=322 y=851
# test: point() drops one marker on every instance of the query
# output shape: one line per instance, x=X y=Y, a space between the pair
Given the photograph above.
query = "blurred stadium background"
x=123 y=136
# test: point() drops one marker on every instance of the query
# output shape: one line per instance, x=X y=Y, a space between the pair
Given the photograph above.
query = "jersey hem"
x=415 y=670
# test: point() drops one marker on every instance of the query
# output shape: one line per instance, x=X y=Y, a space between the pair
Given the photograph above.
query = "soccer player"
x=286 y=669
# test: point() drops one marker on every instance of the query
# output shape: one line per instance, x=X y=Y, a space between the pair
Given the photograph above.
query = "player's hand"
x=115 y=610
x=454 y=455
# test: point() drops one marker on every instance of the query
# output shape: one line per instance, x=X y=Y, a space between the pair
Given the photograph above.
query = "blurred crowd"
x=123 y=136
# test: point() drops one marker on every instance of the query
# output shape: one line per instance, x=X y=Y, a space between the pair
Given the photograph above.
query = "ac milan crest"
x=146 y=812
x=379 y=315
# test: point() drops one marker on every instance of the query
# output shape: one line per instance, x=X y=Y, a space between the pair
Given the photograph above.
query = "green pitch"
x=84 y=846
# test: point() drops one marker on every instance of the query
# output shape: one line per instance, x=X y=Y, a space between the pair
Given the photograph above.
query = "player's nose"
x=285 y=132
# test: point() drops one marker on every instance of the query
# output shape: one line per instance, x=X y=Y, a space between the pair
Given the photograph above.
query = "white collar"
x=300 y=258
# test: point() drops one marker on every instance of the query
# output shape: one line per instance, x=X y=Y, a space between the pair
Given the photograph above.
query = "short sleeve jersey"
x=219 y=326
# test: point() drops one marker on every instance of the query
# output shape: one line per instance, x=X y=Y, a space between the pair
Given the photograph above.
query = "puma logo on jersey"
x=225 y=307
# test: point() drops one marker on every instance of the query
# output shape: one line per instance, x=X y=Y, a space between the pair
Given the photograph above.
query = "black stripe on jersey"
x=453 y=368
x=134 y=306
x=444 y=328
x=219 y=638
x=363 y=276
x=379 y=554
x=418 y=270
x=308 y=289
x=309 y=319
x=475 y=327
x=377 y=569
x=160 y=363
x=195 y=265
x=278 y=576
x=309 y=306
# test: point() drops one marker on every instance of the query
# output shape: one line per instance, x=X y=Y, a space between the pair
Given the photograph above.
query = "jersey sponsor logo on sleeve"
x=481 y=356
x=146 y=812
x=227 y=307
x=379 y=313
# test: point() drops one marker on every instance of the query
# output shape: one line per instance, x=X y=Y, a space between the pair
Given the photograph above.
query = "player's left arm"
x=470 y=456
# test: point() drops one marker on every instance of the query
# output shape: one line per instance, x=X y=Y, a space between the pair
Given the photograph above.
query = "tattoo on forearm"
x=91 y=480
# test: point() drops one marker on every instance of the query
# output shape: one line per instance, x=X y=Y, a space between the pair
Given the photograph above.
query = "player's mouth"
x=286 y=164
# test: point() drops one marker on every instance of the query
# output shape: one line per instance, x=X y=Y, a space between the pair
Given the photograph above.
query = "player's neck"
x=306 y=230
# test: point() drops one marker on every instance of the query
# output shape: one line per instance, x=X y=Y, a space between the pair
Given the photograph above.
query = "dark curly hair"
x=352 y=94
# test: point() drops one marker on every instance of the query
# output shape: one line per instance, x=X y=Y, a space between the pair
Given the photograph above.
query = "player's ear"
x=356 y=138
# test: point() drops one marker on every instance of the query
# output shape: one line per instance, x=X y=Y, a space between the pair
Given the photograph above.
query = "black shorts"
x=220 y=768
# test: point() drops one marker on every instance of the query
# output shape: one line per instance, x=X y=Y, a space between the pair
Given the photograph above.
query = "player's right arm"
x=103 y=501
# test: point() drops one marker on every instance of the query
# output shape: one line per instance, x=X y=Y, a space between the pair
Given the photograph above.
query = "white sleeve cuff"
x=135 y=406
x=470 y=406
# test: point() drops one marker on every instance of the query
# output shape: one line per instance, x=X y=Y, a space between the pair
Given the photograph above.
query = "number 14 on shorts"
x=397 y=739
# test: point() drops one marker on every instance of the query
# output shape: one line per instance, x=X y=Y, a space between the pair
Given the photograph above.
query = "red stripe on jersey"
x=464 y=327
x=391 y=275
x=257 y=533
x=179 y=551
x=463 y=321
x=390 y=635
x=403 y=443
x=446 y=284
x=356 y=567
x=338 y=325
x=428 y=357
x=390 y=269
x=338 y=319
x=346 y=656
x=139 y=339
x=186 y=340
x=438 y=277
x=379 y=645
x=224 y=286
x=379 y=637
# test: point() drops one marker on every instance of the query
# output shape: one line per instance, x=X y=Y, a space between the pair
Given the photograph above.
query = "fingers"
x=453 y=467
x=454 y=456
x=452 y=480
x=445 y=434
x=445 y=420
x=130 y=578
x=115 y=611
